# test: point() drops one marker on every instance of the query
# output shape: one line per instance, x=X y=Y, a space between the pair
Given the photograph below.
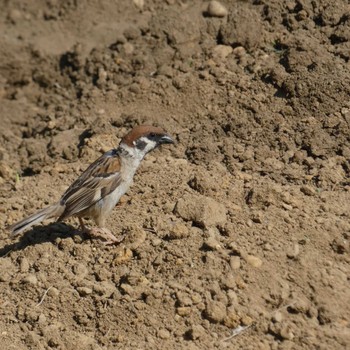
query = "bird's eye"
x=152 y=135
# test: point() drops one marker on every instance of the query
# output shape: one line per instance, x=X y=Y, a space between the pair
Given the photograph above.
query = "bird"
x=99 y=188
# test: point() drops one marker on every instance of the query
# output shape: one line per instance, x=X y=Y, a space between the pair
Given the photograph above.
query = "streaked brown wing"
x=97 y=181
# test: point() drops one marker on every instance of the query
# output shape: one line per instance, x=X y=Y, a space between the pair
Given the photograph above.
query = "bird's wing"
x=97 y=181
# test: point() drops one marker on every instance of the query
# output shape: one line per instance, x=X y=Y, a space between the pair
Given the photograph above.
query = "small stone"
x=308 y=190
x=139 y=4
x=293 y=252
x=6 y=171
x=215 y=311
x=196 y=298
x=229 y=281
x=183 y=310
x=30 y=279
x=196 y=332
x=163 y=334
x=222 y=51
x=24 y=265
x=80 y=270
x=232 y=297
x=212 y=244
x=156 y=242
x=127 y=289
x=301 y=305
x=123 y=256
x=102 y=76
x=277 y=317
x=166 y=71
x=53 y=292
x=232 y=320
x=104 y=288
x=84 y=291
x=42 y=319
x=183 y=299
x=216 y=9
x=15 y=15
x=235 y=262
x=286 y=333
x=132 y=33
x=178 y=231
x=252 y=260
x=5 y=276
x=246 y=320
x=135 y=88
x=128 y=48
x=204 y=211
x=340 y=246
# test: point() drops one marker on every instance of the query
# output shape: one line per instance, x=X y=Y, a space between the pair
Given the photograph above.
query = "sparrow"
x=99 y=188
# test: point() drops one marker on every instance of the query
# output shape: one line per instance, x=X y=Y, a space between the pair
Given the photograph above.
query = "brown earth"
x=243 y=223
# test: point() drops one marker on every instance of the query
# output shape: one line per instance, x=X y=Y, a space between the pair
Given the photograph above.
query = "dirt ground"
x=238 y=235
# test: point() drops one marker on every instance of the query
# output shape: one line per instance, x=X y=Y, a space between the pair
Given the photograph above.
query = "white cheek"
x=150 y=145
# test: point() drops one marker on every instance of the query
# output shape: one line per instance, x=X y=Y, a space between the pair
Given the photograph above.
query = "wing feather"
x=100 y=179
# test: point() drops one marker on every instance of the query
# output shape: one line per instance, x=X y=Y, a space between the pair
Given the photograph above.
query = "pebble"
x=163 y=334
x=183 y=299
x=292 y=253
x=30 y=279
x=132 y=33
x=286 y=333
x=42 y=319
x=128 y=48
x=183 y=310
x=104 y=288
x=229 y=281
x=277 y=317
x=301 y=305
x=197 y=332
x=222 y=51
x=204 y=211
x=216 y=9
x=123 y=256
x=24 y=265
x=232 y=320
x=15 y=16
x=139 y=4
x=232 y=297
x=212 y=243
x=215 y=311
x=308 y=190
x=80 y=270
x=178 y=231
x=6 y=171
x=252 y=260
x=196 y=298
x=53 y=292
x=340 y=245
x=84 y=291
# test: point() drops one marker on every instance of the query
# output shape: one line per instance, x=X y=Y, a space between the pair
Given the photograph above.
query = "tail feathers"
x=25 y=224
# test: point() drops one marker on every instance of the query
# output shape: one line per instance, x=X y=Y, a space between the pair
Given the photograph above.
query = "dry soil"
x=238 y=235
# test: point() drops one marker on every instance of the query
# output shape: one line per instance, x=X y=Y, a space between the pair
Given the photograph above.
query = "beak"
x=165 y=139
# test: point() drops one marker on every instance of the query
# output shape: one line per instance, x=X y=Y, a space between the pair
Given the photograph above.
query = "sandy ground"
x=237 y=236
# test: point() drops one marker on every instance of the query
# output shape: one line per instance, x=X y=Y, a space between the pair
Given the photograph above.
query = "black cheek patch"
x=141 y=145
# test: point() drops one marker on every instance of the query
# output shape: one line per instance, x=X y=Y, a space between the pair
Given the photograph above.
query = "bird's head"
x=145 y=138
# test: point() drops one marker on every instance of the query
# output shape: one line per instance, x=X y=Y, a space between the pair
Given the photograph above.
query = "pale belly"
x=101 y=209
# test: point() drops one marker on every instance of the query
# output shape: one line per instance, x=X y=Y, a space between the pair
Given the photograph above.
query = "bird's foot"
x=104 y=233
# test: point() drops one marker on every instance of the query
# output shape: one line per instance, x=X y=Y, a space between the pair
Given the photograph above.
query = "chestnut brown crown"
x=152 y=133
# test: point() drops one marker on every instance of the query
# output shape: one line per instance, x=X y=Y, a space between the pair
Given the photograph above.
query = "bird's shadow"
x=42 y=234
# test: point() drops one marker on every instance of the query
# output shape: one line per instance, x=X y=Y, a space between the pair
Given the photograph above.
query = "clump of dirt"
x=237 y=236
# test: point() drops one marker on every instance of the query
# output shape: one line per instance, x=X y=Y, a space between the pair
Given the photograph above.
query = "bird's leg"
x=101 y=232
x=82 y=225
x=105 y=233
